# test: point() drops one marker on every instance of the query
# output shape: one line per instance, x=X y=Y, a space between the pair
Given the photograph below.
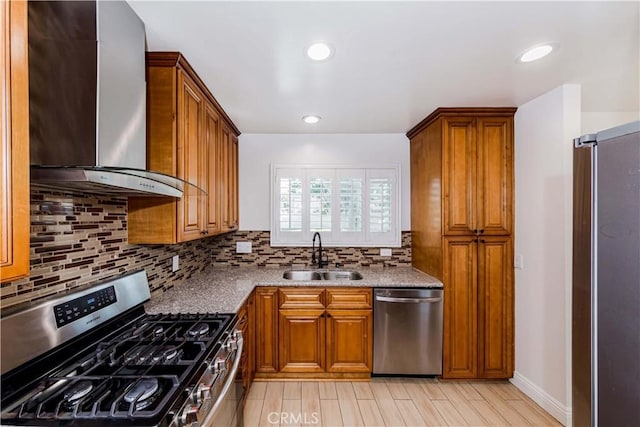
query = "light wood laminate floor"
x=391 y=402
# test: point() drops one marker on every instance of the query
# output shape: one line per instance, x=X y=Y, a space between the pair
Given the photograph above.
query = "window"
x=348 y=206
x=291 y=204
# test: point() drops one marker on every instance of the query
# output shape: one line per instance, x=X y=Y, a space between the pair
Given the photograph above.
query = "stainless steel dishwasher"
x=407 y=331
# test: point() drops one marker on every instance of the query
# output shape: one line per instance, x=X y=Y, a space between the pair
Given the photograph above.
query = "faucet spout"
x=321 y=262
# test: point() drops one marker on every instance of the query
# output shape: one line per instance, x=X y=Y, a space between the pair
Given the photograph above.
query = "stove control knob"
x=218 y=366
x=200 y=394
x=189 y=416
x=231 y=345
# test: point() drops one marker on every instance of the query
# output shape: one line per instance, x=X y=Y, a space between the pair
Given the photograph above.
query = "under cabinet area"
x=311 y=332
x=188 y=136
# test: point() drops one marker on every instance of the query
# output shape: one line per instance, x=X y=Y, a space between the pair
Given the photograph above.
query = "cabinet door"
x=495 y=307
x=460 y=346
x=223 y=180
x=14 y=154
x=190 y=110
x=250 y=340
x=211 y=164
x=246 y=316
x=459 y=175
x=302 y=340
x=266 y=331
x=243 y=326
x=233 y=179
x=495 y=175
x=349 y=341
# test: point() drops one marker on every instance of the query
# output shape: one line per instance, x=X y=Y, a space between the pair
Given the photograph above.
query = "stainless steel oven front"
x=216 y=398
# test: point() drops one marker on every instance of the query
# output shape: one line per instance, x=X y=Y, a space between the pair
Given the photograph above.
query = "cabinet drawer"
x=301 y=298
x=339 y=298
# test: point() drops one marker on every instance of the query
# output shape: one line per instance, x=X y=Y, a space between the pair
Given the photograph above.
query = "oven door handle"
x=230 y=378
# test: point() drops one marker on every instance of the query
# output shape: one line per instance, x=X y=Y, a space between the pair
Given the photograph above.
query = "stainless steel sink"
x=302 y=275
x=341 y=275
x=308 y=275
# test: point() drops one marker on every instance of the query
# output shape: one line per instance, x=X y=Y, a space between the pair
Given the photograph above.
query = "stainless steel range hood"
x=87 y=102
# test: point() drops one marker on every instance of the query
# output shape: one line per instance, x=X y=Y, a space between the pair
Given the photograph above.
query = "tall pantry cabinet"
x=462 y=232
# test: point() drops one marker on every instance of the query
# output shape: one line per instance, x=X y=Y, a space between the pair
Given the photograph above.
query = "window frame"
x=335 y=238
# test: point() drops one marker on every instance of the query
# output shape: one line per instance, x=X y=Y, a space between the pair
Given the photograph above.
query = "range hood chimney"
x=87 y=101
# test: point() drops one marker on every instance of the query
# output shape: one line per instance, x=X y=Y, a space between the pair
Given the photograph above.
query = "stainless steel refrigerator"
x=606 y=278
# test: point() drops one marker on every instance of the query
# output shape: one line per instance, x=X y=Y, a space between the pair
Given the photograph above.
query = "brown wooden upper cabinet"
x=462 y=232
x=228 y=179
x=14 y=153
x=477 y=173
x=191 y=137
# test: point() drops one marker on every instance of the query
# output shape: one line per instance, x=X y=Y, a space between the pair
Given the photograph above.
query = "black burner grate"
x=139 y=372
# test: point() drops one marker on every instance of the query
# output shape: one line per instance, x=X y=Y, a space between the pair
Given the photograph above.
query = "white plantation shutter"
x=289 y=205
x=382 y=203
x=351 y=195
x=348 y=206
x=320 y=201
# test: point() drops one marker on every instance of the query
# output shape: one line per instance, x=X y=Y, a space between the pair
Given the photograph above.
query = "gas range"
x=94 y=357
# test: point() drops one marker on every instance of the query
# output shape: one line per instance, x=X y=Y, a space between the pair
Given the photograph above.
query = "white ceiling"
x=396 y=61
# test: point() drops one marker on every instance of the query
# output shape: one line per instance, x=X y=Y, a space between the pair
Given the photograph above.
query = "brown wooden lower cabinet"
x=478 y=322
x=349 y=338
x=266 y=339
x=310 y=339
x=495 y=307
x=460 y=345
x=246 y=324
x=301 y=340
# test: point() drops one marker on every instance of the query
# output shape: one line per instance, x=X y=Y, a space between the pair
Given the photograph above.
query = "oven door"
x=227 y=409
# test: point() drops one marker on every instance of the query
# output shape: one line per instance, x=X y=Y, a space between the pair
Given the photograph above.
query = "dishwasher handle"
x=408 y=300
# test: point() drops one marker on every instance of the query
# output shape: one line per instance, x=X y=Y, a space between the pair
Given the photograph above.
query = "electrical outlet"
x=243 y=247
x=175 y=263
x=385 y=252
x=519 y=262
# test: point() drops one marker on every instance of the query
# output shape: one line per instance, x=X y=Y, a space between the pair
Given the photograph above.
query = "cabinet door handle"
x=482 y=241
x=408 y=300
x=481 y=231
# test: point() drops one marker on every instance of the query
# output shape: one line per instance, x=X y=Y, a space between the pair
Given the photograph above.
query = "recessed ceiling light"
x=537 y=52
x=311 y=119
x=319 y=51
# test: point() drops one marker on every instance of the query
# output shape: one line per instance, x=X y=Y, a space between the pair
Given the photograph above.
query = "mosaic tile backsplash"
x=223 y=253
x=80 y=238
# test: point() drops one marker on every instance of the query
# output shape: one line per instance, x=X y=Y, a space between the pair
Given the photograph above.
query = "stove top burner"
x=135 y=375
x=77 y=391
x=199 y=329
x=168 y=353
x=142 y=392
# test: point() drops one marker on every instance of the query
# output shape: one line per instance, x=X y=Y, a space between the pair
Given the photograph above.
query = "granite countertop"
x=224 y=290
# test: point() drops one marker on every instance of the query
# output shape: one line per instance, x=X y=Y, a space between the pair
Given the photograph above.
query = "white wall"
x=596 y=121
x=544 y=128
x=258 y=151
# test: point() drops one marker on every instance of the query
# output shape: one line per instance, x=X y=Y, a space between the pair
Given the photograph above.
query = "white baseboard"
x=542 y=398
